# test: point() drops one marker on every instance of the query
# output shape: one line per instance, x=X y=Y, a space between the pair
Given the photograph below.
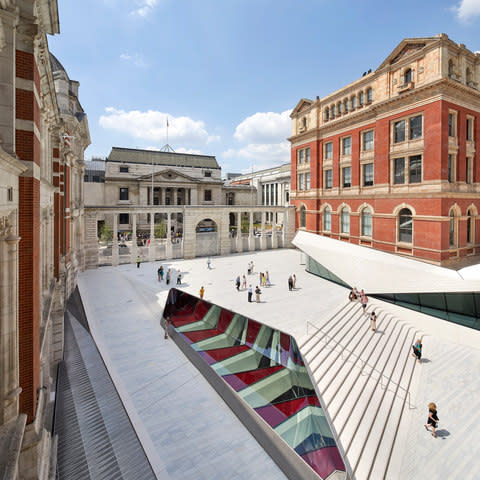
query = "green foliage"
x=245 y=223
x=160 y=230
x=106 y=232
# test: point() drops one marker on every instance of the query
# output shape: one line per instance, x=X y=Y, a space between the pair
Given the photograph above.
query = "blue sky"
x=227 y=73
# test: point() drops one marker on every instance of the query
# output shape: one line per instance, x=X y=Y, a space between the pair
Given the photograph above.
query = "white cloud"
x=144 y=7
x=260 y=155
x=467 y=9
x=264 y=127
x=137 y=59
x=151 y=126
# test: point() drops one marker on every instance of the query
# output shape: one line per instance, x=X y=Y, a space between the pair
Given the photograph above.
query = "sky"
x=227 y=73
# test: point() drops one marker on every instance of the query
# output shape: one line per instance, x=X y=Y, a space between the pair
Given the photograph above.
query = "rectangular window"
x=452 y=130
x=347 y=146
x=123 y=169
x=272 y=194
x=399 y=175
x=415 y=171
x=301 y=154
x=347 y=177
x=263 y=194
x=468 y=170
x=361 y=98
x=10 y=194
x=207 y=174
x=328 y=178
x=300 y=182
x=368 y=175
x=329 y=150
x=124 y=218
x=415 y=127
x=85 y=178
x=451 y=168
x=470 y=129
x=399 y=131
x=123 y=193
x=307 y=155
x=307 y=181
x=208 y=195
x=276 y=190
x=370 y=95
x=368 y=140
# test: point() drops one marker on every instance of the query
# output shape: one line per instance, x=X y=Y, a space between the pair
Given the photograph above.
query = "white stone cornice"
x=11 y=163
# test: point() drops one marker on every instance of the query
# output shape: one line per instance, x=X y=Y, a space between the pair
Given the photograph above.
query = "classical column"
x=9 y=378
x=263 y=238
x=115 y=258
x=134 y=249
x=239 y=239
x=151 y=248
x=251 y=238
x=274 y=231
x=168 y=246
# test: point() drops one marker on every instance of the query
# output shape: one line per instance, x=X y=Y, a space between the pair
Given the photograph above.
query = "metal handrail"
x=363 y=362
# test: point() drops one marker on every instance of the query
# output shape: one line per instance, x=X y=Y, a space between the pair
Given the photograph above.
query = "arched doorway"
x=207 y=238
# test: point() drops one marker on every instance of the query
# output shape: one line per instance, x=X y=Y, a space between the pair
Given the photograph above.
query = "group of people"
x=258 y=292
x=168 y=275
x=292 y=282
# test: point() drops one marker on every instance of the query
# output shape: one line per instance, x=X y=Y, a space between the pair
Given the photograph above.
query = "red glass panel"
x=238 y=381
x=252 y=332
x=276 y=414
x=219 y=354
x=325 y=461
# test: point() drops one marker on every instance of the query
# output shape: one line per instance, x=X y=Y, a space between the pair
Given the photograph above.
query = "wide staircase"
x=364 y=381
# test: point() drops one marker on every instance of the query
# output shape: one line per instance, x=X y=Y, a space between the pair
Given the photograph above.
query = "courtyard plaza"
x=186 y=429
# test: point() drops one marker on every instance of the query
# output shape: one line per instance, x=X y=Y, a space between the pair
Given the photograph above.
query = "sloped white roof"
x=381 y=272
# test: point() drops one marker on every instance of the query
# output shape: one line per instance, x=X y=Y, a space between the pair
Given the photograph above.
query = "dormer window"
x=207 y=173
x=123 y=169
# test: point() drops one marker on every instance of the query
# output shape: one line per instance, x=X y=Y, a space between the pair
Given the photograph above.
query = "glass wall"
x=457 y=307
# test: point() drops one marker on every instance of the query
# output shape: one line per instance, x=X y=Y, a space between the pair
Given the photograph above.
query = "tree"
x=160 y=230
x=106 y=232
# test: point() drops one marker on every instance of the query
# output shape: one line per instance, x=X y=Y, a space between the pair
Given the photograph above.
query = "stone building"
x=43 y=133
x=178 y=179
x=391 y=161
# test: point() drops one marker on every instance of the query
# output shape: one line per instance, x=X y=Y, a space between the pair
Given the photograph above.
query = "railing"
x=362 y=362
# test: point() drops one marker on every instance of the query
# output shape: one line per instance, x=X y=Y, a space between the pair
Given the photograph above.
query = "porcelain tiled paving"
x=188 y=431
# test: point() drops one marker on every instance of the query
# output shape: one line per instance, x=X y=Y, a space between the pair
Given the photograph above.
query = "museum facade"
x=390 y=161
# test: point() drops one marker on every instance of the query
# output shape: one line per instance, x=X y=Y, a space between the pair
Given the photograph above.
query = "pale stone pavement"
x=187 y=430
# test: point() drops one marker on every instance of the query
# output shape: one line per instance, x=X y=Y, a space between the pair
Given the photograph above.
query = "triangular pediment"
x=303 y=104
x=168 y=175
x=406 y=48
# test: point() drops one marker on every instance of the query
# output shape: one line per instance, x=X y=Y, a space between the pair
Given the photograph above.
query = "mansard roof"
x=134 y=155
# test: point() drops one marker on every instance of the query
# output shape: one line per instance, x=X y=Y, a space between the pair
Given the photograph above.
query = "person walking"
x=294 y=277
x=168 y=277
x=202 y=291
x=167 y=323
x=237 y=283
x=244 y=282
x=290 y=283
x=159 y=273
x=209 y=263
x=352 y=296
x=432 y=419
x=179 y=278
x=162 y=273
x=364 y=300
x=250 y=293
x=138 y=261
x=417 y=350
x=267 y=279
x=373 y=321
x=258 y=292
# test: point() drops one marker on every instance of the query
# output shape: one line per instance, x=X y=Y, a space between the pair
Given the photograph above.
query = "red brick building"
x=391 y=161
x=43 y=134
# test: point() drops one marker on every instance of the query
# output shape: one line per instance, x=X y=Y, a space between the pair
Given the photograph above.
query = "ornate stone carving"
x=6 y=228
x=6 y=3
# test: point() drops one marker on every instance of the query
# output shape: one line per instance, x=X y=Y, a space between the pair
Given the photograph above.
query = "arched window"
x=361 y=98
x=345 y=220
x=451 y=68
x=327 y=114
x=451 y=236
x=468 y=75
x=405 y=226
x=345 y=105
x=366 y=227
x=303 y=216
x=370 y=95
x=470 y=227
x=327 y=219
x=407 y=77
x=354 y=102
x=339 y=108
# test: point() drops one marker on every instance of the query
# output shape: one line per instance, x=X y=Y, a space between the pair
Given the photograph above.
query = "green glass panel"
x=461 y=319
x=402 y=298
x=432 y=300
x=434 y=312
x=460 y=303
